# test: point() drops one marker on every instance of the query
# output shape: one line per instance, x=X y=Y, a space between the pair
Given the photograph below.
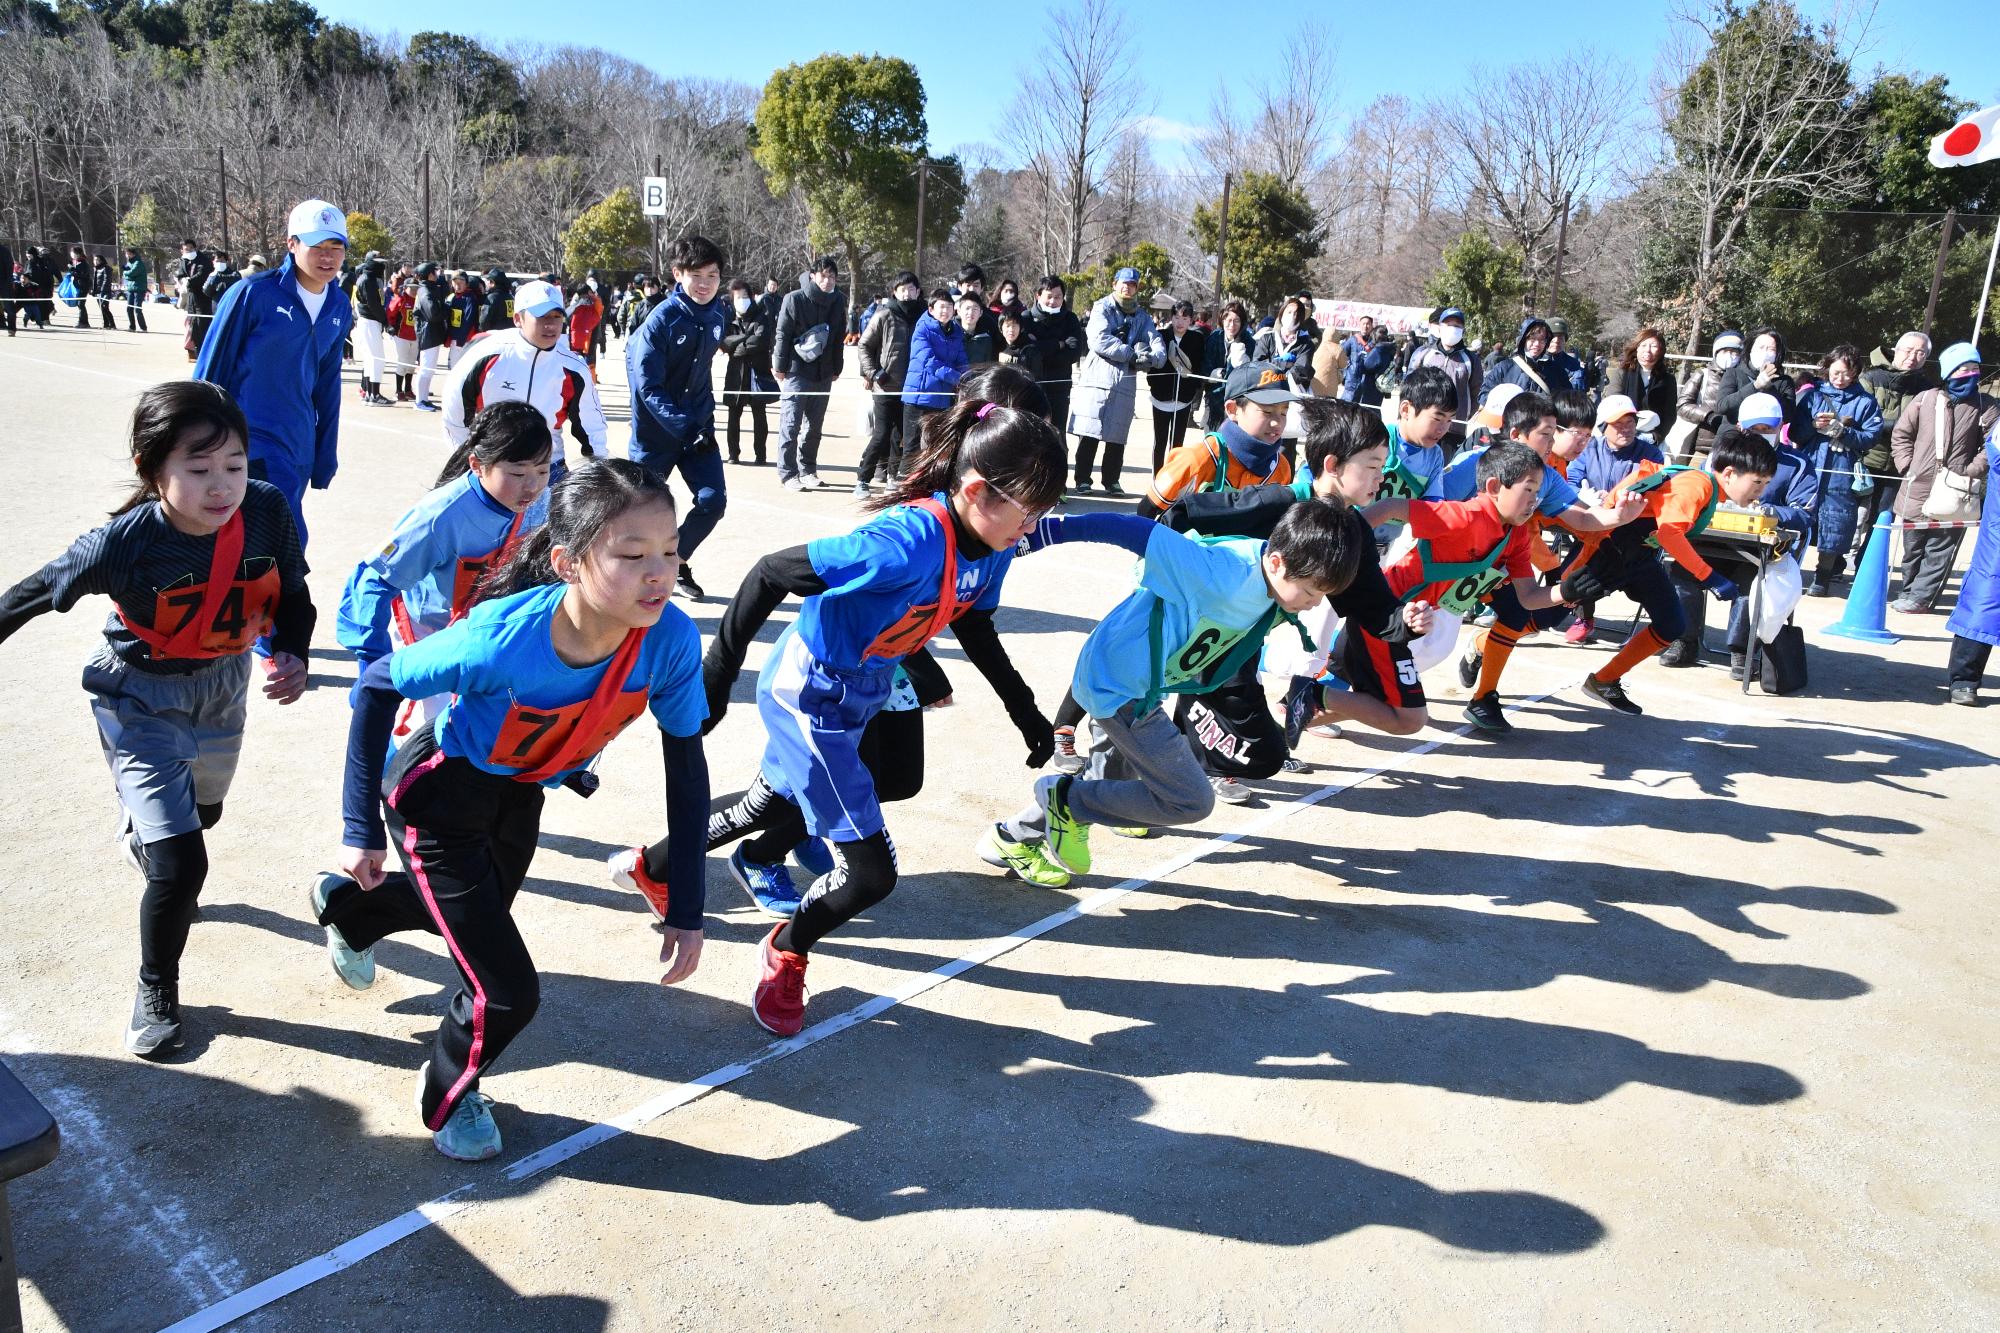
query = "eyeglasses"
x=1027 y=515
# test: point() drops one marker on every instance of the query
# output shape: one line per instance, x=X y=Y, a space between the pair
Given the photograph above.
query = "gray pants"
x=1142 y=773
x=1928 y=554
x=172 y=741
x=801 y=413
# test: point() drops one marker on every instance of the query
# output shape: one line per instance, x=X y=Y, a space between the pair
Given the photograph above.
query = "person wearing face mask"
x=192 y=271
x=1123 y=342
x=1703 y=389
x=1445 y=349
x=747 y=383
x=807 y=358
x=885 y=359
x=1941 y=427
x=1894 y=378
x=1177 y=385
x=1289 y=342
x=1762 y=370
x=1007 y=300
x=1838 y=421
x=1054 y=328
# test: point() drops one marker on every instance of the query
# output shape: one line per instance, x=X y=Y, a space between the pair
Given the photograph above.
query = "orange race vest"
x=217 y=618
x=920 y=624
x=543 y=742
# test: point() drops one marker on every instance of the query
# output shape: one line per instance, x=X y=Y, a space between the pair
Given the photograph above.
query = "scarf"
x=1257 y=457
x=1962 y=388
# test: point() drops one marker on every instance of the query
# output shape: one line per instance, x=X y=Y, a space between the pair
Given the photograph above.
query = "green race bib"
x=1204 y=647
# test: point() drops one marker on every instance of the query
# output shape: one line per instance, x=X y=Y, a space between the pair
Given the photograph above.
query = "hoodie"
x=1538 y=375
x=803 y=311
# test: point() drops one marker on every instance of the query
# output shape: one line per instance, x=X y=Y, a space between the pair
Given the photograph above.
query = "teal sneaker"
x=1025 y=859
x=1069 y=838
x=355 y=967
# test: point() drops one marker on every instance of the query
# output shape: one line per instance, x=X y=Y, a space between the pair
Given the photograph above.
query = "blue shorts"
x=814 y=716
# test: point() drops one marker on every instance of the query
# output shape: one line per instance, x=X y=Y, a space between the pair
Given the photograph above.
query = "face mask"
x=1725 y=360
x=1451 y=335
x=1963 y=388
x=742 y=305
x=1052 y=304
x=1762 y=357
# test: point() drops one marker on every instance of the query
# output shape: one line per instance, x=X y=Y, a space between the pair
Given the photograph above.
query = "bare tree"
x=1067 y=123
x=1760 y=104
x=1295 y=112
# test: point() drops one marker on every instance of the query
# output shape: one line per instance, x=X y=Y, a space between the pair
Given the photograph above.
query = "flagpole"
x=1979 y=320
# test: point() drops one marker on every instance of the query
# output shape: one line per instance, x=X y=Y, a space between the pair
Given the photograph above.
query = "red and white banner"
x=1346 y=315
x=1973 y=140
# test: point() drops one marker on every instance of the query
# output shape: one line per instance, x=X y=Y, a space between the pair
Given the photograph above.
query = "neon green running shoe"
x=1069 y=838
x=1133 y=832
x=1025 y=859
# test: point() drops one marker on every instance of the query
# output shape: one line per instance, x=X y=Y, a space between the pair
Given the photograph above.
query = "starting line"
x=466 y=1197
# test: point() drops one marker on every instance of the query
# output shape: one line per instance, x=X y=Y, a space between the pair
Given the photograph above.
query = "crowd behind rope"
x=1348 y=506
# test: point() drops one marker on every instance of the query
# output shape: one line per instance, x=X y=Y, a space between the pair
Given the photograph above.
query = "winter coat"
x=370 y=300
x=1107 y=394
x=802 y=311
x=937 y=359
x=135 y=278
x=192 y=271
x=747 y=344
x=496 y=306
x=218 y=284
x=6 y=270
x=1700 y=392
x=1060 y=336
x=1837 y=458
x=1532 y=376
x=981 y=347
x=100 y=281
x=1026 y=354
x=1977 y=615
x=668 y=363
x=1222 y=356
x=1793 y=491
x=1914 y=444
x=585 y=314
x=1295 y=358
x=1661 y=397
x=1365 y=364
x=1740 y=381
x=433 y=314
x=1893 y=390
x=1460 y=366
x=1170 y=384
x=884 y=348
x=1571 y=370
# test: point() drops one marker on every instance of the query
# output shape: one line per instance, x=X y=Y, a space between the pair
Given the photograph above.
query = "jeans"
x=801 y=415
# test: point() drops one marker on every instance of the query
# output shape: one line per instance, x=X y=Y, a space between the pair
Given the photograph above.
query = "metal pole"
x=428 y=252
x=1222 y=243
x=923 y=179
x=1937 y=274
x=1562 y=244
x=1979 y=320
x=657 y=171
x=222 y=181
x=41 y=218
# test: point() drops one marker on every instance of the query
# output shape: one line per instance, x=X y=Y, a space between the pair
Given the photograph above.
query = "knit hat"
x=1955 y=356
x=1727 y=339
x=1760 y=409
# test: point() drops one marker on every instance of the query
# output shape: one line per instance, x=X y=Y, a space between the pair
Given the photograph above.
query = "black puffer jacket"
x=494 y=314
x=369 y=302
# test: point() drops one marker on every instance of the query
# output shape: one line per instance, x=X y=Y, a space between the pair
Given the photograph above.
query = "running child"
x=1678 y=504
x=198 y=562
x=1424 y=406
x=935 y=554
x=576 y=641
x=1200 y=611
x=424 y=579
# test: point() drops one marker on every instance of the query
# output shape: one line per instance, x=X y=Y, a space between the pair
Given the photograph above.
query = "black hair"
x=1427 y=387
x=1051 y=283
x=1242 y=313
x=1183 y=308
x=735 y=285
x=1016 y=450
x=1009 y=386
x=971 y=273
x=692 y=252
x=512 y=432
x=191 y=414
x=1525 y=412
x=1336 y=431
x=1750 y=341
x=1015 y=315
x=581 y=505
x=1321 y=544
x=904 y=279
x=826 y=264
x=1573 y=409
x=1508 y=460
x=940 y=294
x=969 y=296
x=1746 y=451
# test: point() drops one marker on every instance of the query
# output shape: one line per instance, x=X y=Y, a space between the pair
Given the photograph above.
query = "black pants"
x=1968 y=660
x=1086 y=454
x=1231 y=728
x=1625 y=563
x=175 y=869
x=1057 y=392
x=760 y=427
x=83 y=312
x=104 y=312
x=914 y=418
x=1169 y=429
x=8 y=305
x=466 y=838
x=886 y=449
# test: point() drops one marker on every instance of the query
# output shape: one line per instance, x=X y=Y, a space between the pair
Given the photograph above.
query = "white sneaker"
x=809 y=481
x=1229 y=791
x=1330 y=730
x=792 y=484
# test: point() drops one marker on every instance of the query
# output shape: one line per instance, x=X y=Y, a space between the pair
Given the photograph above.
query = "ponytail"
x=513 y=432
x=1017 y=451
x=581 y=505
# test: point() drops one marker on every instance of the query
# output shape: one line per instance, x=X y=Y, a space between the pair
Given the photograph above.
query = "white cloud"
x=1172 y=131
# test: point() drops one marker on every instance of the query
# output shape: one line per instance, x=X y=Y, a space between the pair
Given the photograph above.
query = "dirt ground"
x=1671 y=1022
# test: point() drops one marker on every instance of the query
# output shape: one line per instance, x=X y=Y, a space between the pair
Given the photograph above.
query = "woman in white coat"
x=1123 y=344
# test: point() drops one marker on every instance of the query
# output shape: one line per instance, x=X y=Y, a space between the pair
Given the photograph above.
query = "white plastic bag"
x=1782 y=588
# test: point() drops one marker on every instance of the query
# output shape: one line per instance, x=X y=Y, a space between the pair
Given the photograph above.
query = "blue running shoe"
x=354 y=967
x=469 y=1135
x=814 y=857
x=770 y=887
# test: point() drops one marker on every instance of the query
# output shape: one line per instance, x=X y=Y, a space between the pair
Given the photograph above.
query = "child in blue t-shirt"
x=576 y=641
x=1201 y=610
x=935 y=555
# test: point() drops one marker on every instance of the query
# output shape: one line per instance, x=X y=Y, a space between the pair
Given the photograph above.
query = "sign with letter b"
x=653 y=196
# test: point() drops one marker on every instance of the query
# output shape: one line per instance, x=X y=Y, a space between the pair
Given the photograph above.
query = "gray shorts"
x=172 y=741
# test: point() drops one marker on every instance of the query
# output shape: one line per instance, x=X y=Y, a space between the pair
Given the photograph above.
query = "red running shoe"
x=628 y=871
x=779 y=1003
x=1580 y=630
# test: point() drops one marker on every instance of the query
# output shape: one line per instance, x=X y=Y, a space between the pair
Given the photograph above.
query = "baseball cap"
x=1760 y=409
x=1493 y=412
x=315 y=221
x=1956 y=355
x=1126 y=275
x=1259 y=381
x=1614 y=406
x=537 y=299
x=1558 y=326
x=1450 y=312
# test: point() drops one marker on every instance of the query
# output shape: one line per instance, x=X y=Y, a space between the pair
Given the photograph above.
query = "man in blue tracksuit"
x=668 y=363
x=276 y=346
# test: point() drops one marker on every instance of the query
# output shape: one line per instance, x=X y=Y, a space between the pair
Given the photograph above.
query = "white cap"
x=1493 y=411
x=315 y=221
x=1616 y=405
x=537 y=298
x=1760 y=409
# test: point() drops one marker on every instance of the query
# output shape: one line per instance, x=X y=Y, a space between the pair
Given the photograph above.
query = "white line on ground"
x=376 y=1239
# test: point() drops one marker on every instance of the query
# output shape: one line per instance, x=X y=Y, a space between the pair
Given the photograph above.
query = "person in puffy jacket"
x=135 y=292
x=1123 y=344
x=496 y=303
x=1702 y=390
x=1836 y=420
x=1762 y=370
x=807 y=359
x=1055 y=329
x=747 y=382
x=885 y=359
x=1367 y=359
x=1951 y=420
x=937 y=359
x=1529 y=366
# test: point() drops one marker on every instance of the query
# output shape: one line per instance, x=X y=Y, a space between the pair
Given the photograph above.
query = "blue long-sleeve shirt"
x=282 y=366
x=667 y=364
x=1602 y=467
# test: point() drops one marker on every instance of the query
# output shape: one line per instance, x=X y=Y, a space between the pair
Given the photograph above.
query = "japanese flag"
x=1973 y=140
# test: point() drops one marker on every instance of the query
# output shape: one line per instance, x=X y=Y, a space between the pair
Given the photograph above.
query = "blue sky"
x=969 y=74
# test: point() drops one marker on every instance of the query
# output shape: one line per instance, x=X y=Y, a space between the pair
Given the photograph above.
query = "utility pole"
x=923 y=179
x=222 y=183
x=1937 y=274
x=41 y=218
x=1222 y=242
x=428 y=252
x=1562 y=244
